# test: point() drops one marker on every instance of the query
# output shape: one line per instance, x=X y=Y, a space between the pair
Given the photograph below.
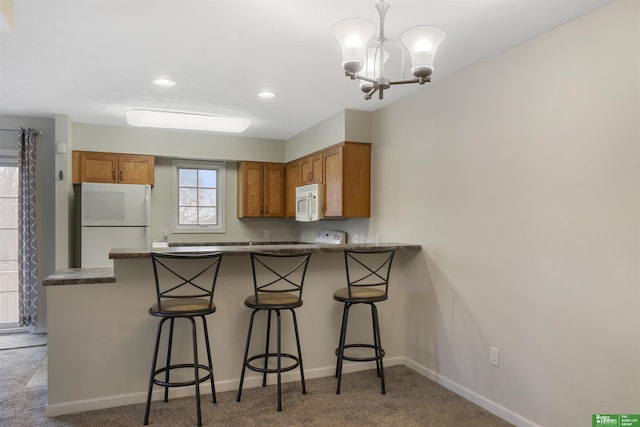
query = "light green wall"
x=345 y=125
x=323 y=134
x=177 y=144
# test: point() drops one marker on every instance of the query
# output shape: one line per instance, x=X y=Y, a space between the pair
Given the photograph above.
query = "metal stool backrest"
x=369 y=269
x=279 y=273
x=185 y=276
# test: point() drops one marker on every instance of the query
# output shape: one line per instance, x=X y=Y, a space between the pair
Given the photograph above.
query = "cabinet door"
x=312 y=169
x=333 y=182
x=133 y=169
x=293 y=180
x=251 y=189
x=273 y=197
x=98 y=167
x=356 y=178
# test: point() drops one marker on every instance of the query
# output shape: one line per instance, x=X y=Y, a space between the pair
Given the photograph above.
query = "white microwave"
x=309 y=202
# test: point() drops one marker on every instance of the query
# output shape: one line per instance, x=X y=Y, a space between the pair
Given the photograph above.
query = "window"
x=198 y=196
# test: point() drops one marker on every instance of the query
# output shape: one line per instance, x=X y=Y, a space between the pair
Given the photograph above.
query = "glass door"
x=9 y=247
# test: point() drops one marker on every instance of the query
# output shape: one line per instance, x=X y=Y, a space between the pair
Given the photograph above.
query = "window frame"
x=220 y=167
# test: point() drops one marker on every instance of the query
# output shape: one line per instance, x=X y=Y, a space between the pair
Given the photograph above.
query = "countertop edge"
x=87 y=276
x=125 y=253
x=80 y=276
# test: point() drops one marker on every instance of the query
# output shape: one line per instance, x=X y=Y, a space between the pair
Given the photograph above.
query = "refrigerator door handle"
x=147 y=202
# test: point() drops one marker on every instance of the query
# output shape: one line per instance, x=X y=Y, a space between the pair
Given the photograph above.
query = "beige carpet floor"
x=411 y=400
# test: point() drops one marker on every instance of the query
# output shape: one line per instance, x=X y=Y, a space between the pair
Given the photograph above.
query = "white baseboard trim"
x=491 y=406
x=255 y=380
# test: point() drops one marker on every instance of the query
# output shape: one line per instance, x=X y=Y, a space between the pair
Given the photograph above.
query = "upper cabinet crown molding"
x=92 y=166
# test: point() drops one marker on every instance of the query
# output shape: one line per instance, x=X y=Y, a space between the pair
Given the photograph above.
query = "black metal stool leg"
x=246 y=355
x=343 y=336
x=279 y=361
x=342 y=332
x=378 y=345
x=295 y=328
x=169 y=347
x=196 y=373
x=206 y=341
x=153 y=371
x=266 y=350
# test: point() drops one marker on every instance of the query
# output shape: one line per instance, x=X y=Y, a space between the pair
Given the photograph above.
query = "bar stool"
x=277 y=285
x=184 y=290
x=367 y=283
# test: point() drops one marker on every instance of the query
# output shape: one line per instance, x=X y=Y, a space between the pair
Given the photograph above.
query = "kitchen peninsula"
x=101 y=335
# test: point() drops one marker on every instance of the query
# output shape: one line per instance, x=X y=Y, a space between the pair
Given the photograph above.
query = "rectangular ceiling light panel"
x=175 y=120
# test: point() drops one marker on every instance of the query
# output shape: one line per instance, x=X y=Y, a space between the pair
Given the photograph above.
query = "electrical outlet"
x=267 y=234
x=494 y=356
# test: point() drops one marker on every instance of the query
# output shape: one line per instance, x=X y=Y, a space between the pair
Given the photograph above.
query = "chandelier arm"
x=369 y=94
x=350 y=74
x=401 y=82
x=365 y=78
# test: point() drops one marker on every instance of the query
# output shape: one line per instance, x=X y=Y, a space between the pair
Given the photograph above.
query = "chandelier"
x=366 y=63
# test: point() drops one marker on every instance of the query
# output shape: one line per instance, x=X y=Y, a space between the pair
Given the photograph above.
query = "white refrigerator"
x=112 y=216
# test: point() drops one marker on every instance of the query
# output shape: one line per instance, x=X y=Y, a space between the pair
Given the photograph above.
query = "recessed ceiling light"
x=164 y=82
x=266 y=94
x=182 y=120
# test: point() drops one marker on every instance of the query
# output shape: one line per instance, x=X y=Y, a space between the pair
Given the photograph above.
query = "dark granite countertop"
x=243 y=249
x=75 y=276
x=80 y=276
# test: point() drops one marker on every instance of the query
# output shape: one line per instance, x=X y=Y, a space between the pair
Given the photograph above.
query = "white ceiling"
x=94 y=59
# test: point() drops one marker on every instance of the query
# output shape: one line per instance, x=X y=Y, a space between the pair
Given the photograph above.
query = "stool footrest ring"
x=272 y=370
x=357 y=358
x=181 y=383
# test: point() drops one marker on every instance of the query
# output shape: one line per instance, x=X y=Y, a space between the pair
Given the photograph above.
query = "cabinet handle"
x=266 y=210
x=114 y=175
x=121 y=176
x=261 y=210
x=309 y=176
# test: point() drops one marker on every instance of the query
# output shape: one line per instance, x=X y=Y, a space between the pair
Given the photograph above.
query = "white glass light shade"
x=353 y=36
x=422 y=43
x=177 y=120
x=372 y=68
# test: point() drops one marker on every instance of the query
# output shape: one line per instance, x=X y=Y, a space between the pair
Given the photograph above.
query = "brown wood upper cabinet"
x=90 y=166
x=260 y=190
x=311 y=169
x=345 y=171
x=347 y=180
x=294 y=179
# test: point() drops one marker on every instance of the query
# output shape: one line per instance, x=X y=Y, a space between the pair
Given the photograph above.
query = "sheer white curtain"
x=27 y=255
